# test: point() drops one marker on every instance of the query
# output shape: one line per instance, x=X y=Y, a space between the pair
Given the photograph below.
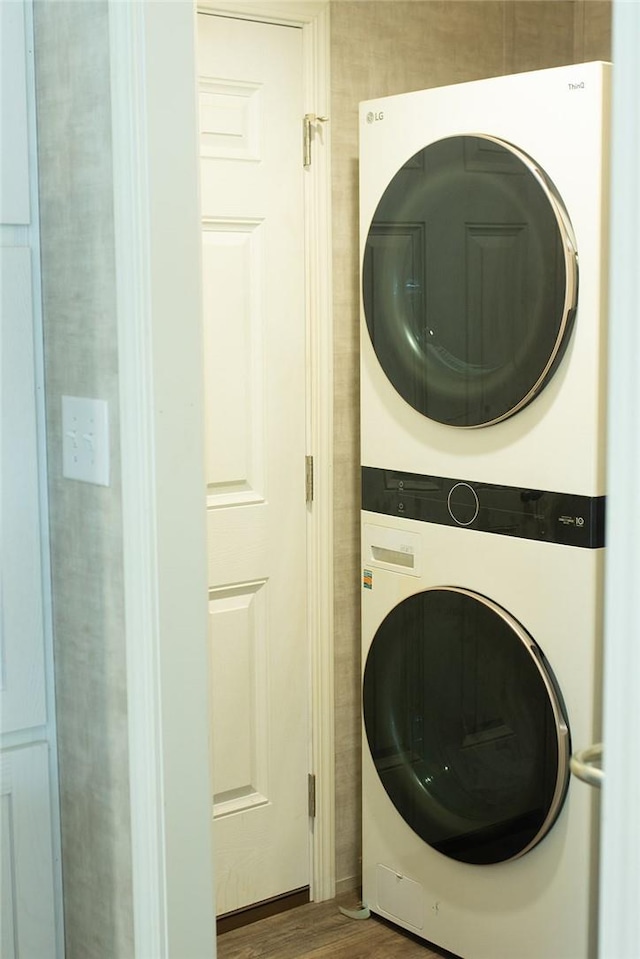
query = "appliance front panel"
x=509 y=908
x=555 y=438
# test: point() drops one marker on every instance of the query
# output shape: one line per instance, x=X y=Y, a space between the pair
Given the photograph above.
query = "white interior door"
x=30 y=913
x=250 y=89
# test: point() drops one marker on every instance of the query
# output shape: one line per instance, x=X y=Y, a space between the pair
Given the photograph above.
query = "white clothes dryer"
x=483 y=250
x=481 y=665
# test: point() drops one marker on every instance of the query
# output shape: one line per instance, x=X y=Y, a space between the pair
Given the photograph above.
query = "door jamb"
x=312 y=17
x=152 y=66
x=161 y=402
x=619 y=919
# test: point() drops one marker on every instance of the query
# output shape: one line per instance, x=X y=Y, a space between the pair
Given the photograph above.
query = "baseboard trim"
x=349 y=884
x=262 y=910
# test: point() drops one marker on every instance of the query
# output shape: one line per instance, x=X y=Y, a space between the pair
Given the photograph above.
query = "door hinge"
x=308 y=122
x=308 y=478
x=312 y=795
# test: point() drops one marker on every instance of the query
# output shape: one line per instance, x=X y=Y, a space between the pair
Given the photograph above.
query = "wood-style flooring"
x=320 y=931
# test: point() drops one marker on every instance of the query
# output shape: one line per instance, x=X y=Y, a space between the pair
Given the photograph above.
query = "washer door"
x=465 y=726
x=469 y=280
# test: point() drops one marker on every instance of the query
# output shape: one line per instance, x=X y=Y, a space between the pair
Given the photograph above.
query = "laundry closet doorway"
x=261 y=421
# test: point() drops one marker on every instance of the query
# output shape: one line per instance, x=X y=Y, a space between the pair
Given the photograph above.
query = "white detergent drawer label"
x=395 y=549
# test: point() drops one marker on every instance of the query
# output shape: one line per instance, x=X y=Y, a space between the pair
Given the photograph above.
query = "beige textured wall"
x=378 y=49
x=86 y=522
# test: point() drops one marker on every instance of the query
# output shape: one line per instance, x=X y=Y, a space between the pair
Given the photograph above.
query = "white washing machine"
x=483 y=250
x=481 y=667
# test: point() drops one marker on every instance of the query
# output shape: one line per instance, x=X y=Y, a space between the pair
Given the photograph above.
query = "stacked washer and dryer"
x=483 y=252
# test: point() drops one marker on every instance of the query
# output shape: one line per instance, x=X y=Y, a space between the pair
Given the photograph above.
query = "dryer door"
x=466 y=726
x=469 y=280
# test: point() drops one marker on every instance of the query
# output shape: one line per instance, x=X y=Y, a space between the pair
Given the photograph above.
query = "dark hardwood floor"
x=320 y=931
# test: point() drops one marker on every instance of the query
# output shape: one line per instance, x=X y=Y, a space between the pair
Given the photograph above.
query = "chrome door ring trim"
x=561 y=726
x=570 y=254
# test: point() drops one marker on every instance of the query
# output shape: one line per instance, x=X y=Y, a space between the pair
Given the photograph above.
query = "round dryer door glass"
x=469 y=280
x=465 y=726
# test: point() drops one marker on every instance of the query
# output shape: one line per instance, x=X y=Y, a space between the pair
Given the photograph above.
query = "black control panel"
x=565 y=518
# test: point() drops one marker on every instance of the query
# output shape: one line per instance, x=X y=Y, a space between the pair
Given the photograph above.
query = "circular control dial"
x=463 y=504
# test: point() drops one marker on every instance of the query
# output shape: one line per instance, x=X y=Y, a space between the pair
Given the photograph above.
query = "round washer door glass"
x=465 y=726
x=469 y=280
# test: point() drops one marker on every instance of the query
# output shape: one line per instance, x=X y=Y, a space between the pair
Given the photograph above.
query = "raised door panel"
x=26 y=866
x=14 y=134
x=22 y=670
x=230 y=119
x=232 y=258
x=240 y=738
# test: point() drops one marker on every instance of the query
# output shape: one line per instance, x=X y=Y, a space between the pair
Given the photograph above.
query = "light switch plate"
x=85 y=440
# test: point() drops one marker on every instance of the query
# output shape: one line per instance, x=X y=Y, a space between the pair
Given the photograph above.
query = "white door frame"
x=620 y=842
x=157 y=251
x=157 y=225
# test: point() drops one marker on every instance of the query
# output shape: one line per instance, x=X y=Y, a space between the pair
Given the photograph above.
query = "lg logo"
x=374 y=117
